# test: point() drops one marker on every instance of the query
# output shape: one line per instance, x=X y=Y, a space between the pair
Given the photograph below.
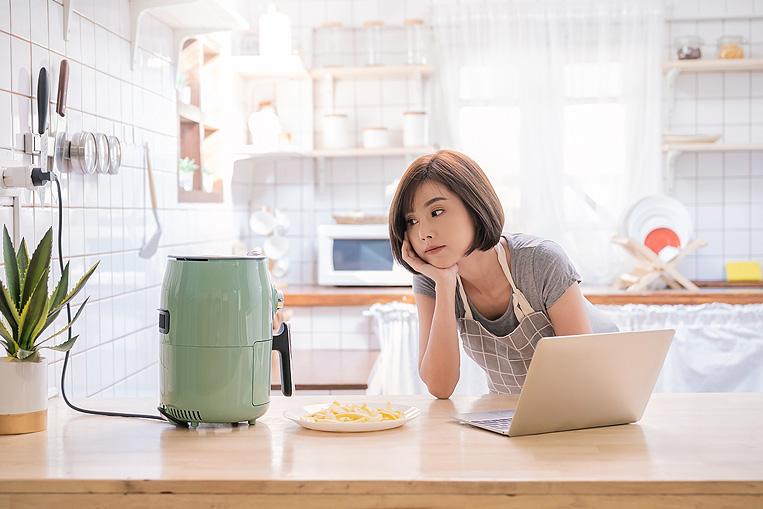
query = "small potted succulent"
x=28 y=310
x=187 y=167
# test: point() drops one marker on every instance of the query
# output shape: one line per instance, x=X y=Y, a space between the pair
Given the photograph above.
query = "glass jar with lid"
x=373 y=36
x=688 y=47
x=730 y=47
x=330 y=43
x=414 y=35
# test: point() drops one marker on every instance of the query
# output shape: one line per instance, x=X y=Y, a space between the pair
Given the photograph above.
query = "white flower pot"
x=186 y=180
x=23 y=396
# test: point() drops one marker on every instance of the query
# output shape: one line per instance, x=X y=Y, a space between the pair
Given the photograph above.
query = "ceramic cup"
x=415 y=129
x=375 y=137
x=335 y=133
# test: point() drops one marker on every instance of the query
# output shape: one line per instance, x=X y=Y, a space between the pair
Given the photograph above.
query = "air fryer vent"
x=184 y=415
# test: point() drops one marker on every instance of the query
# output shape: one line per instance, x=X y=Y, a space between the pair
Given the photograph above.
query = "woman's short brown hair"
x=462 y=177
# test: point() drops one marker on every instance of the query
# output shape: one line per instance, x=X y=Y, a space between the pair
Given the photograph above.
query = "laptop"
x=584 y=381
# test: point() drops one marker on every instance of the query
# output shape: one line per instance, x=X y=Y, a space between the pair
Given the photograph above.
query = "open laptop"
x=583 y=381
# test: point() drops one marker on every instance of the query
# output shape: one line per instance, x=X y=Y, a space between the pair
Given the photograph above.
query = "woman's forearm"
x=440 y=365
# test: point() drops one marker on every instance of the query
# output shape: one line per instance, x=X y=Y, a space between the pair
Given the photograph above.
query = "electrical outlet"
x=17 y=175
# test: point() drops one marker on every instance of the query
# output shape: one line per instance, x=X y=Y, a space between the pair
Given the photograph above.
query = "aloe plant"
x=25 y=305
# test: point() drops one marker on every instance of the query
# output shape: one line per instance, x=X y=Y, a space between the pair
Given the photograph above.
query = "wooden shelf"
x=715 y=65
x=247 y=152
x=711 y=147
x=372 y=72
x=189 y=112
x=261 y=68
x=372 y=152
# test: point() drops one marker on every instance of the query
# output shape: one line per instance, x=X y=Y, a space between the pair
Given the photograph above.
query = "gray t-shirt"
x=542 y=272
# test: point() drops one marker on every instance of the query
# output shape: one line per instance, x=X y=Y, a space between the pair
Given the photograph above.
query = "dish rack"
x=650 y=267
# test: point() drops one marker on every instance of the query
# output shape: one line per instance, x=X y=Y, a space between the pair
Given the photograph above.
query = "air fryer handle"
x=282 y=343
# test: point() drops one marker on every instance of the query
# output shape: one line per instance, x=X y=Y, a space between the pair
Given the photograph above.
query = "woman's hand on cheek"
x=438 y=275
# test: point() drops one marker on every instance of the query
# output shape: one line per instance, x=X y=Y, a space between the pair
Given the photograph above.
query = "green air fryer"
x=215 y=325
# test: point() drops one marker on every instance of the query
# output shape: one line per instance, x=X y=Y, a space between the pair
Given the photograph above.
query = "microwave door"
x=362 y=255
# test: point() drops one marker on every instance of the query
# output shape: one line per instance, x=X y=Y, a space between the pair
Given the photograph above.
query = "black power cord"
x=69 y=318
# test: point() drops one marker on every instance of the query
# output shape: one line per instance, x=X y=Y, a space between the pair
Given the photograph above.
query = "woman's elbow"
x=441 y=394
x=441 y=391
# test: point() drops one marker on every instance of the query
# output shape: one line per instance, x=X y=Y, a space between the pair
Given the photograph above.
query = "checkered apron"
x=505 y=359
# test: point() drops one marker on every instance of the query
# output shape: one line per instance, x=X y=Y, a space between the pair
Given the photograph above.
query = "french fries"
x=338 y=412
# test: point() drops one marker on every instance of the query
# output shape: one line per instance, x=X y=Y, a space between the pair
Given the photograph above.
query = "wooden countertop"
x=688 y=450
x=303 y=296
x=327 y=369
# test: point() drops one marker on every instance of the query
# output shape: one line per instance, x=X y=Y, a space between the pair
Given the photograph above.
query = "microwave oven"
x=358 y=255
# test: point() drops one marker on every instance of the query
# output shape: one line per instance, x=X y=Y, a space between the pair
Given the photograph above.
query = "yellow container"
x=743 y=271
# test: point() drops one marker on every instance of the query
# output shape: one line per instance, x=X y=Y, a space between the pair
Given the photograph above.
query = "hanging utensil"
x=149 y=248
x=43 y=98
x=60 y=146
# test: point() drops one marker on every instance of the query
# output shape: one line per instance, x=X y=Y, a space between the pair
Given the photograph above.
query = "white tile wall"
x=724 y=191
x=106 y=217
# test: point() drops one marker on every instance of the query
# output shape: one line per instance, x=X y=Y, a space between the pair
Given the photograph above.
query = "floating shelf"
x=247 y=152
x=711 y=147
x=192 y=113
x=715 y=65
x=258 y=67
x=372 y=72
x=673 y=150
x=372 y=152
x=187 y=18
x=189 y=112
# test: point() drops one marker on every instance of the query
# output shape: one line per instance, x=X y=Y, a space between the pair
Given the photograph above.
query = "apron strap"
x=467 y=309
x=522 y=307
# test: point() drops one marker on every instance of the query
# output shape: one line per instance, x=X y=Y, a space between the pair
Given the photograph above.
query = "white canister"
x=335 y=133
x=23 y=409
x=415 y=129
x=375 y=137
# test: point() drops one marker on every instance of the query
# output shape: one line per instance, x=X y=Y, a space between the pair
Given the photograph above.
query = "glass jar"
x=414 y=35
x=329 y=44
x=730 y=46
x=688 y=47
x=373 y=30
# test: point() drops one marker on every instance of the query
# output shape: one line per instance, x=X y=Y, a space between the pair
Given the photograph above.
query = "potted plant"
x=187 y=167
x=27 y=311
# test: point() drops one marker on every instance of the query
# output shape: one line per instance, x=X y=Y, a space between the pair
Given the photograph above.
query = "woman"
x=507 y=290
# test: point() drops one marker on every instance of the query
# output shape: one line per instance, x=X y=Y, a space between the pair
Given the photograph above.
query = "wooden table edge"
x=385 y=487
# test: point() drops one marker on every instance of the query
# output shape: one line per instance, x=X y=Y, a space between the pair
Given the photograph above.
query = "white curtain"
x=559 y=102
x=396 y=370
x=717 y=347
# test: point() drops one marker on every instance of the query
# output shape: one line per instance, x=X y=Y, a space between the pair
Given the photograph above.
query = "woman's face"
x=439 y=227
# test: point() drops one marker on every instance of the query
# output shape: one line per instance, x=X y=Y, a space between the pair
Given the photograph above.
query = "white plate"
x=409 y=413
x=658 y=211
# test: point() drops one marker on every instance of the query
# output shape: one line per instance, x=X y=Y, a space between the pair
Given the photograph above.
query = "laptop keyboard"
x=499 y=425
